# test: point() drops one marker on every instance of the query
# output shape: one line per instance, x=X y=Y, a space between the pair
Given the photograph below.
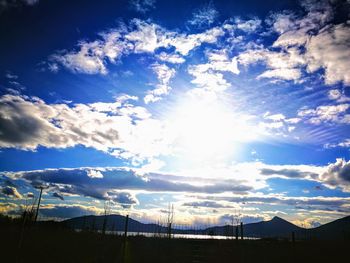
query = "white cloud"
x=248 y=26
x=204 y=16
x=142 y=6
x=282 y=73
x=184 y=43
x=118 y=128
x=208 y=80
x=330 y=50
x=345 y=144
x=171 y=58
x=231 y=187
x=283 y=22
x=208 y=76
x=334 y=94
x=146 y=37
x=337 y=175
x=327 y=113
x=326 y=46
x=9 y=75
x=338 y=96
x=281 y=65
x=94 y=174
x=91 y=57
x=164 y=74
x=305 y=42
x=219 y=61
x=274 y=117
x=295 y=30
x=140 y=37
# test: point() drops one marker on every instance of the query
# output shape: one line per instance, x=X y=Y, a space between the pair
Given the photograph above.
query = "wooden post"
x=293 y=237
x=242 y=230
x=124 y=244
x=126 y=226
x=237 y=232
x=37 y=208
x=169 y=230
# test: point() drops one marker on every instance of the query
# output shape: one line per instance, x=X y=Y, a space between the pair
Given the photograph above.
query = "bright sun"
x=207 y=131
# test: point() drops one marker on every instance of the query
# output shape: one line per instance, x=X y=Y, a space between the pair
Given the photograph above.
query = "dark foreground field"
x=57 y=244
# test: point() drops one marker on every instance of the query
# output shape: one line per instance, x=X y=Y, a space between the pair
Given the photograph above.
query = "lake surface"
x=188 y=236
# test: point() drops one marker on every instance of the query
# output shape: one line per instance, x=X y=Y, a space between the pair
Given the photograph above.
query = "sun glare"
x=208 y=131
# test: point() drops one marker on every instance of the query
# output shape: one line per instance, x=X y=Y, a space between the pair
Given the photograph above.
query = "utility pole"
x=38 y=206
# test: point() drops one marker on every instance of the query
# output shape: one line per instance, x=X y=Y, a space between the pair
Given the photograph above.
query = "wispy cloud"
x=142 y=6
x=164 y=74
x=204 y=16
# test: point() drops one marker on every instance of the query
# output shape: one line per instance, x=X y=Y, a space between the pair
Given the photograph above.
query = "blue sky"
x=220 y=108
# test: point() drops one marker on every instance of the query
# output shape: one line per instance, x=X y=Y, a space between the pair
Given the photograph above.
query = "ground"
x=57 y=244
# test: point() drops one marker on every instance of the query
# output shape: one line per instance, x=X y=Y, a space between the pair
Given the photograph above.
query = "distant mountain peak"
x=277 y=218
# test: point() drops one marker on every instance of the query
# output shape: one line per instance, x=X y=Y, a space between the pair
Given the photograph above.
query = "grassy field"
x=56 y=244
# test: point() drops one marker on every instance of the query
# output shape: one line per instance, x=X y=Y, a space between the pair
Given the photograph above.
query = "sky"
x=220 y=108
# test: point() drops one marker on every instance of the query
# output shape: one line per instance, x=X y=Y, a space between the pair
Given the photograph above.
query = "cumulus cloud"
x=295 y=30
x=204 y=16
x=330 y=50
x=305 y=42
x=118 y=128
x=337 y=174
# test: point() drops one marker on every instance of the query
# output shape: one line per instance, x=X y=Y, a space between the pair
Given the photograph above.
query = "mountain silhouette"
x=275 y=228
x=338 y=229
